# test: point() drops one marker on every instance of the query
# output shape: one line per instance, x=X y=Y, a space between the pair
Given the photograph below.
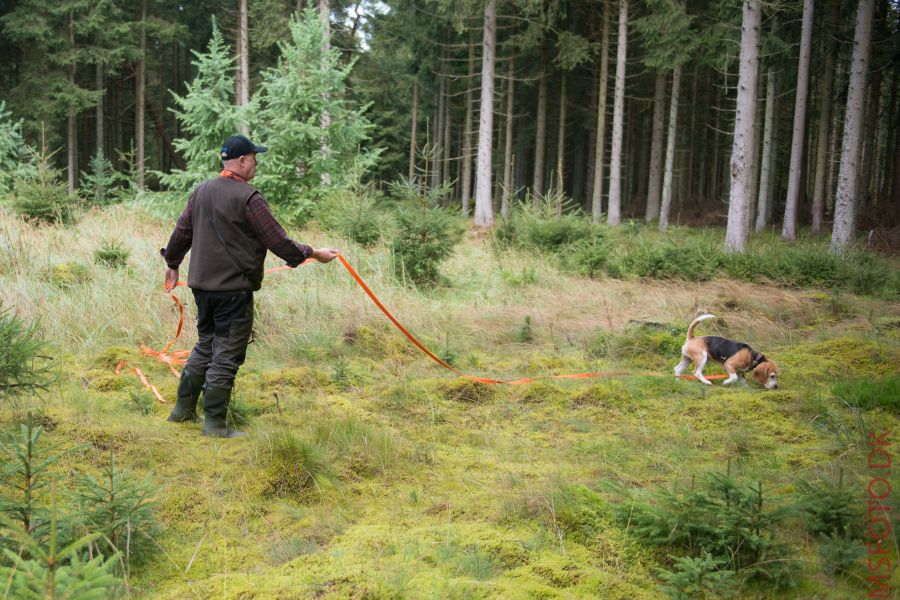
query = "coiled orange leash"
x=179 y=357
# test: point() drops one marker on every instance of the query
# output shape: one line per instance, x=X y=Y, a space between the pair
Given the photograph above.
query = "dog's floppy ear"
x=761 y=372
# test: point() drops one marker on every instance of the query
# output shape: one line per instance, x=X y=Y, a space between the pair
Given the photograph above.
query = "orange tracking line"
x=179 y=357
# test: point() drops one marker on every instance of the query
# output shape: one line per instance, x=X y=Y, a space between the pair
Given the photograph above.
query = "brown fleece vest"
x=219 y=215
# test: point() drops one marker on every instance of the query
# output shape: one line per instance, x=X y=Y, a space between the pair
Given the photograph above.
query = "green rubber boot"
x=189 y=388
x=215 y=409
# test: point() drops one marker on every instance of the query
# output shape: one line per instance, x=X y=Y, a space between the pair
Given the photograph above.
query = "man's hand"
x=171 y=279
x=324 y=255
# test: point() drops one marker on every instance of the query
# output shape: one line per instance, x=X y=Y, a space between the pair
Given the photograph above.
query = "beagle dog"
x=736 y=357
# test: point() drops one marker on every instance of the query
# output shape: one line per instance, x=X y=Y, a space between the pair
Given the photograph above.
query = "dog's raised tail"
x=690 y=331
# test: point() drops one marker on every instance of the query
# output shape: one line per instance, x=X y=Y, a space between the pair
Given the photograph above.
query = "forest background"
x=640 y=162
x=639 y=112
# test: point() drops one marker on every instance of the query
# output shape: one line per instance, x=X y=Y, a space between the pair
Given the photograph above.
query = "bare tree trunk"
x=870 y=143
x=895 y=185
x=670 y=151
x=702 y=144
x=71 y=123
x=891 y=185
x=243 y=64
x=115 y=123
x=653 y=185
x=766 y=163
x=484 y=210
x=438 y=134
x=100 y=133
x=507 y=150
x=886 y=136
x=467 y=142
x=411 y=172
x=789 y=228
x=600 y=140
x=447 y=146
x=139 y=100
x=98 y=124
x=825 y=101
x=715 y=171
x=846 y=201
x=537 y=188
x=868 y=195
x=692 y=135
x=615 y=164
x=836 y=120
x=561 y=147
x=738 y=229
x=325 y=121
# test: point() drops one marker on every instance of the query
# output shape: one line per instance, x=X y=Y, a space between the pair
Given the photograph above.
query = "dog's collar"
x=758 y=358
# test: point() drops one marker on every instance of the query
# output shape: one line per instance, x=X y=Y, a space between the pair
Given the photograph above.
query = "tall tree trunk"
x=870 y=143
x=836 y=134
x=891 y=185
x=98 y=124
x=115 y=123
x=467 y=134
x=243 y=64
x=139 y=100
x=507 y=150
x=411 y=173
x=715 y=171
x=701 y=144
x=886 y=135
x=447 y=146
x=561 y=147
x=484 y=211
x=438 y=134
x=540 y=138
x=689 y=170
x=592 y=140
x=600 y=140
x=576 y=181
x=653 y=185
x=615 y=164
x=872 y=134
x=738 y=229
x=766 y=163
x=895 y=185
x=825 y=101
x=325 y=120
x=789 y=228
x=670 y=151
x=71 y=123
x=757 y=136
x=846 y=201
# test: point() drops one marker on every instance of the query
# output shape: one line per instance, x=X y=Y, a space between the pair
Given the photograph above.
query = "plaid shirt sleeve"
x=181 y=238
x=272 y=234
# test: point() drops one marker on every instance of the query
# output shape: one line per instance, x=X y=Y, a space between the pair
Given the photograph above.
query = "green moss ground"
x=430 y=486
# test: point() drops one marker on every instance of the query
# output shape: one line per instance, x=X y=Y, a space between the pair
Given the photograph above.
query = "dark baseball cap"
x=237 y=146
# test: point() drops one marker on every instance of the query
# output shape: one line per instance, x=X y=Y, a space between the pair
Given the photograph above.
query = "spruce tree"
x=119 y=507
x=207 y=115
x=15 y=159
x=23 y=365
x=307 y=82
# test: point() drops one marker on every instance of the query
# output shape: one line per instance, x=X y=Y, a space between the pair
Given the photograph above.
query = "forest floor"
x=372 y=472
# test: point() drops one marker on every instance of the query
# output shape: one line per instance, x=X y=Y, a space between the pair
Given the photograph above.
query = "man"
x=229 y=227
